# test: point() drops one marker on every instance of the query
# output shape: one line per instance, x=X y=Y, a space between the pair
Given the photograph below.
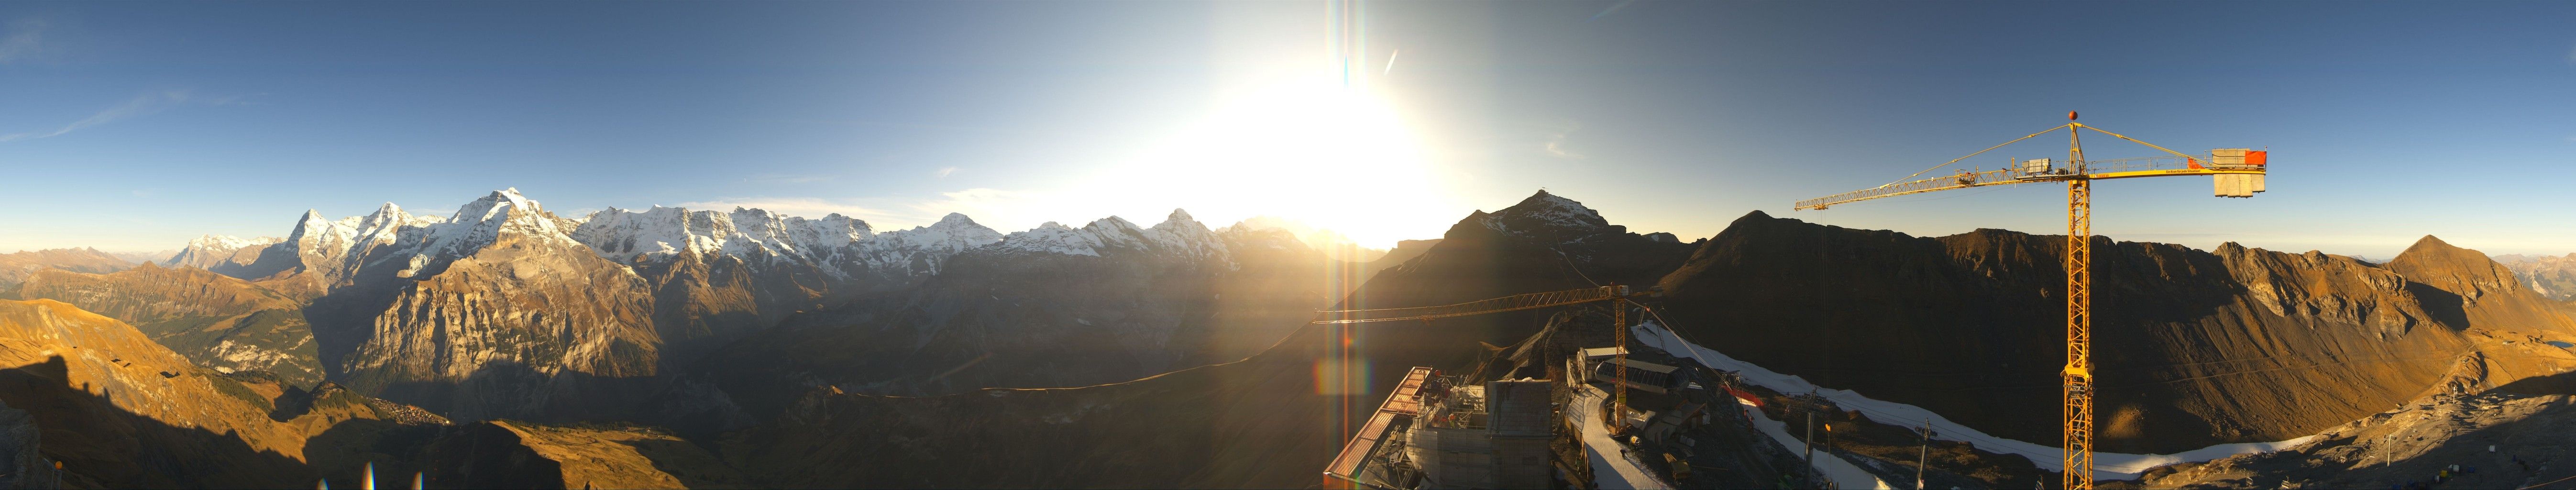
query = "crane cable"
x=2132 y=140
x=1990 y=148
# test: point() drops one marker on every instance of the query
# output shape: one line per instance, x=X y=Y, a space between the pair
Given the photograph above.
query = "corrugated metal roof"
x=1406 y=401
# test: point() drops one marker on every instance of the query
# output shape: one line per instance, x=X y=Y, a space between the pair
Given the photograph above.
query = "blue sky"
x=136 y=126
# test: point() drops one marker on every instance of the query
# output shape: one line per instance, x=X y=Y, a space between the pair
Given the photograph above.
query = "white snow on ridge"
x=2106 y=466
x=1052 y=238
x=207 y=250
x=844 y=245
x=1178 y=234
x=229 y=243
x=1547 y=212
x=661 y=232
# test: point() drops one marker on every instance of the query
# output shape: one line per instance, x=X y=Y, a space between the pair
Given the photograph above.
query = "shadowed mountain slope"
x=216 y=321
x=121 y=411
x=2192 y=348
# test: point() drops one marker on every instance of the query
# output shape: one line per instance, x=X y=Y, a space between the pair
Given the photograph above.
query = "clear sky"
x=136 y=126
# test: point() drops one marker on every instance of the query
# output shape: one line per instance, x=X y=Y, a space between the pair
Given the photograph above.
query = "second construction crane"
x=2235 y=172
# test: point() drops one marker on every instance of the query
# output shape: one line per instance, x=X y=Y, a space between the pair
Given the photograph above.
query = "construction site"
x=1581 y=426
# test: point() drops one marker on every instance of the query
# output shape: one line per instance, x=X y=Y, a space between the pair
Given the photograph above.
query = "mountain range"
x=722 y=347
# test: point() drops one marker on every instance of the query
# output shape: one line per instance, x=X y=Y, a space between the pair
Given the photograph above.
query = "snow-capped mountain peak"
x=483 y=222
x=1178 y=235
x=228 y=242
x=1545 y=214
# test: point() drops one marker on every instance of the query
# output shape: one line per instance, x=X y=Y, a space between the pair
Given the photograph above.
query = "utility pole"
x=1619 y=324
x=1811 y=444
x=1926 y=458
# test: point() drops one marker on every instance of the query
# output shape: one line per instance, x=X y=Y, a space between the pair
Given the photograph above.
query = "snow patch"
x=2121 y=466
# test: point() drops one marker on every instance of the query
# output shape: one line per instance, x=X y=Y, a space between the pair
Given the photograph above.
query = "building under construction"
x=1440 y=432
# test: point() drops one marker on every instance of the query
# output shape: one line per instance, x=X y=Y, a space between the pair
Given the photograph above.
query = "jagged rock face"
x=1054 y=306
x=504 y=309
x=14 y=267
x=215 y=321
x=491 y=313
x=225 y=255
x=2552 y=277
x=2191 y=348
x=720 y=276
x=319 y=255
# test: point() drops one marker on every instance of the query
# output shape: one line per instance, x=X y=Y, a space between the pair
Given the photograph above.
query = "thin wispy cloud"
x=1555 y=145
x=1623 y=4
x=944 y=171
x=773 y=178
x=23 y=40
x=139 y=105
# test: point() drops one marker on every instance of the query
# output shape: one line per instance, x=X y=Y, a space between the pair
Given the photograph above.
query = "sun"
x=1312 y=148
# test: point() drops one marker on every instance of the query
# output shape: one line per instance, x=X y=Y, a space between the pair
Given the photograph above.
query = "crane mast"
x=2234 y=172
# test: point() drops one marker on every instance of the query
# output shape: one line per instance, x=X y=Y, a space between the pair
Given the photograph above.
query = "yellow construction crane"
x=1617 y=295
x=2235 y=172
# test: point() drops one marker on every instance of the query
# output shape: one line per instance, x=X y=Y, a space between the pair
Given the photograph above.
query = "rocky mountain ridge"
x=2553 y=277
x=14 y=267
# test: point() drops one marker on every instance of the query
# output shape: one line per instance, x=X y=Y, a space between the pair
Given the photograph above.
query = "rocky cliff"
x=492 y=312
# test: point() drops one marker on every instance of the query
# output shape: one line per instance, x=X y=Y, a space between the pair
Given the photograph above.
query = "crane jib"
x=2234 y=172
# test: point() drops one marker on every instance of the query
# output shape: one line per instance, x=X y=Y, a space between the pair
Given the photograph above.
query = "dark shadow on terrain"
x=667 y=456
x=488 y=456
x=111 y=447
x=293 y=402
x=688 y=406
x=342 y=452
x=2554 y=384
x=1959 y=324
x=2447 y=308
